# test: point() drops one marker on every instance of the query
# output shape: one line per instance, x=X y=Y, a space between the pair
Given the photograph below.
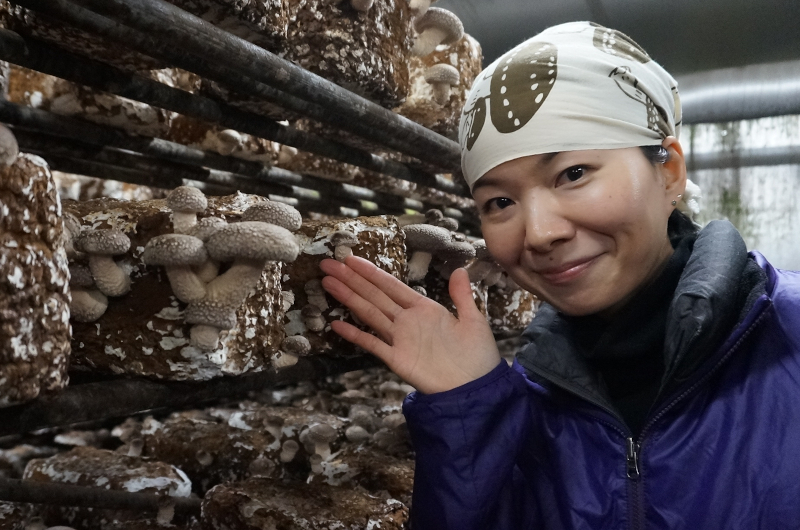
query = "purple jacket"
x=721 y=450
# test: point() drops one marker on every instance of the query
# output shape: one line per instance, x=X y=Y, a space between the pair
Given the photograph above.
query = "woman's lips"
x=567 y=272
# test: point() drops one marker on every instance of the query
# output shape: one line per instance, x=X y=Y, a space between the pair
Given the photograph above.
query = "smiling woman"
x=659 y=381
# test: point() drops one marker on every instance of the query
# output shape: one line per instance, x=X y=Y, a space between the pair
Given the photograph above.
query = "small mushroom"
x=292 y=348
x=436 y=26
x=441 y=77
x=274 y=424
x=361 y=5
x=423 y=241
x=288 y=451
x=274 y=212
x=229 y=141
x=321 y=435
x=204 y=457
x=433 y=216
x=177 y=253
x=312 y=318
x=316 y=294
x=484 y=268
x=261 y=467
x=87 y=304
x=166 y=511
x=135 y=447
x=9 y=149
x=343 y=242
x=209 y=318
x=392 y=390
x=357 y=434
x=286 y=154
x=101 y=245
x=185 y=202
x=363 y=416
x=281 y=359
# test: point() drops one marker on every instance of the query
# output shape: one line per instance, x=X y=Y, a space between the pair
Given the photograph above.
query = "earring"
x=674 y=203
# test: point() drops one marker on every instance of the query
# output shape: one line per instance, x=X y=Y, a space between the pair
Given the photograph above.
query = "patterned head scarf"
x=572 y=87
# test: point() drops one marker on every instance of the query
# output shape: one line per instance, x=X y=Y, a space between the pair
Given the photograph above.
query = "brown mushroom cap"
x=276 y=213
x=425 y=237
x=442 y=19
x=448 y=223
x=322 y=433
x=442 y=73
x=310 y=311
x=253 y=240
x=187 y=199
x=80 y=276
x=433 y=216
x=344 y=237
x=481 y=250
x=296 y=345
x=211 y=313
x=205 y=227
x=174 y=249
x=106 y=242
x=457 y=251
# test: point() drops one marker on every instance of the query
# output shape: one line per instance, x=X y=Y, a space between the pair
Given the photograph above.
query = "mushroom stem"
x=427 y=41
x=237 y=282
x=478 y=270
x=418 y=265
x=204 y=337
x=341 y=252
x=207 y=271
x=87 y=304
x=441 y=92
x=182 y=222
x=108 y=276
x=186 y=285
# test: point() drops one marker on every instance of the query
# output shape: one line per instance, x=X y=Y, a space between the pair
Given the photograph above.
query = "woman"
x=660 y=386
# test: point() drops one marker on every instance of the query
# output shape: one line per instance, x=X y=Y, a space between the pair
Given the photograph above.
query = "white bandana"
x=572 y=87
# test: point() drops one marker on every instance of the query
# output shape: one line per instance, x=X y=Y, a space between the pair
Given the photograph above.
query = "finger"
x=371 y=343
x=366 y=311
x=401 y=293
x=461 y=294
x=362 y=287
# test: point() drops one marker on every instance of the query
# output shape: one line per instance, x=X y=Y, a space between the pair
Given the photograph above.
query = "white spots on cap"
x=502 y=90
x=539 y=98
x=505 y=103
x=516 y=122
x=534 y=86
x=510 y=114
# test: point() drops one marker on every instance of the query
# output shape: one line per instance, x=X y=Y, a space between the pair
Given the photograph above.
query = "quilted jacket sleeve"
x=467 y=441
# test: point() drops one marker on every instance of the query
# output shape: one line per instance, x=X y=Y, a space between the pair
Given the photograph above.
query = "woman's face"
x=583 y=230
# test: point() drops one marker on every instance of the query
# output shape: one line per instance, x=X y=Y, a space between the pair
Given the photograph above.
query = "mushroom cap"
x=344 y=237
x=433 y=215
x=310 y=311
x=254 y=240
x=425 y=237
x=313 y=286
x=71 y=224
x=322 y=433
x=447 y=21
x=205 y=227
x=276 y=213
x=457 y=250
x=448 y=223
x=174 y=249
x=80 y=276
x=187 y=199
x=296 y=345
x=442 y=73
x=211 y=313
x=105 y=242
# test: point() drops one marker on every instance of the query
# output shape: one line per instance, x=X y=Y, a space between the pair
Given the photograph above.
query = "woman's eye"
x=498 y=203
x=573 y=173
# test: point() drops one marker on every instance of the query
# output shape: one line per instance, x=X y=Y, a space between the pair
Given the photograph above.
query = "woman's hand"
x=420 y=340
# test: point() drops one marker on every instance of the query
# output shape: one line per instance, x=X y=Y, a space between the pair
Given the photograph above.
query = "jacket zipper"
x=633 y=448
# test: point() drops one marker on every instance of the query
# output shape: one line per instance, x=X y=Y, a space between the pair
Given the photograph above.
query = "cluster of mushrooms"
x=192 y=257
x=434 y=235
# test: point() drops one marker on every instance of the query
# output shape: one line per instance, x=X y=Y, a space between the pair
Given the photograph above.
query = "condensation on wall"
x=763 y=202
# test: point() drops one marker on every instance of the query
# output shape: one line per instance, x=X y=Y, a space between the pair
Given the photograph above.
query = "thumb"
x=461 y=294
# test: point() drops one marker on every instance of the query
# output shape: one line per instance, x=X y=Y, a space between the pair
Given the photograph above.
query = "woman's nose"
x=546 y=225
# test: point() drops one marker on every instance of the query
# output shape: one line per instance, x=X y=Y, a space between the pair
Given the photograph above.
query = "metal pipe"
x=120 y=398
x=773 y=156
x=56 y=494
x=237 y=79
x=746 y=93
x=172 y=26
x=28 y=118
x=36 y=55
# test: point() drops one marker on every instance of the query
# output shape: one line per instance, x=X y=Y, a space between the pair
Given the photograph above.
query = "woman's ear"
x=674 y=169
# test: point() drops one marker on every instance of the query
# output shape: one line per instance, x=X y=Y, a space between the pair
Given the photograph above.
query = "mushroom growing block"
x=265 y=503
x=145 y=332
x=466 y=57
x=366 y=52
x=34 y=283
x=380 y=241
x=100 y=468
x=510 y=310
